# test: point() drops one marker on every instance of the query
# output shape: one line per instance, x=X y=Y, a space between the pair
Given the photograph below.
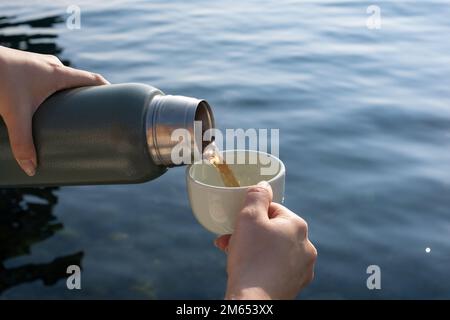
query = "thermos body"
x=109 y=134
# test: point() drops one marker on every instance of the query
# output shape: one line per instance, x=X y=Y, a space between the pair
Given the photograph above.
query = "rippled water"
x=364 y=118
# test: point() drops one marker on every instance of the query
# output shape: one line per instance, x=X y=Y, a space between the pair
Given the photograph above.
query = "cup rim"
x=280 y=173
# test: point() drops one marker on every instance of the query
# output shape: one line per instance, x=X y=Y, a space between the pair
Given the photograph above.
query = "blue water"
x=364 y=119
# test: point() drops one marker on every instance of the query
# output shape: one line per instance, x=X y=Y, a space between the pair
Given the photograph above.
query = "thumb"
x=69 y=78
x=21 y=139
x=257 y=201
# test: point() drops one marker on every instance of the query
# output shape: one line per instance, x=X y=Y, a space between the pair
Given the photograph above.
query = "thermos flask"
x=108 y=134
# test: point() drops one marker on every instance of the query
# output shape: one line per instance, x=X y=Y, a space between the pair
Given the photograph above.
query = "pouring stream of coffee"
x=213 y=156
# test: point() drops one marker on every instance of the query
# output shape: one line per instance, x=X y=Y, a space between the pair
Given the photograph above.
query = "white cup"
x=216 y=206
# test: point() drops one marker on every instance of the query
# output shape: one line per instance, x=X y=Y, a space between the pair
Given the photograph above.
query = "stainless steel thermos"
x=104 y=135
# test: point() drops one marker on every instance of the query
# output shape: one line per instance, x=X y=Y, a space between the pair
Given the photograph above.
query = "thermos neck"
x=168 y=113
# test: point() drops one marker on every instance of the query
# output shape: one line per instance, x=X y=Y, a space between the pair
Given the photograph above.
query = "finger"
x=21 y=140
x=222 y=242
x=257 y=201
x=277 y=210
x=53 y=60
x=279 y=213
x=69 y=78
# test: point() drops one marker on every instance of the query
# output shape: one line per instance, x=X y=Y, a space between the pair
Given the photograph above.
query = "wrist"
x=251 y=293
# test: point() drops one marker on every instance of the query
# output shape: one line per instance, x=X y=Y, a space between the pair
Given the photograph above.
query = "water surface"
x=364 y=118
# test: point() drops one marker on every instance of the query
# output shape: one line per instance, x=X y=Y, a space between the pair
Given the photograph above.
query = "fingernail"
x=28 y=166
x=263 y=184
x=226 y=250
x=216 y=243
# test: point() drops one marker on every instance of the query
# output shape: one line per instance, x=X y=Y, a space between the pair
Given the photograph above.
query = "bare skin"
x=27 y=79
x=269 y=254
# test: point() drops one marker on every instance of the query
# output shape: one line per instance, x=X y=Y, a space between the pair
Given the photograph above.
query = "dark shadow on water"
x=26 y=215
x=42 y=41
x=26 y=218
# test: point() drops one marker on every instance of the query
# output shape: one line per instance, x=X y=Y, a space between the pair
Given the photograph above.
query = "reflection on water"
x=37 y=41
x=26 y=215
x=26 y=219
